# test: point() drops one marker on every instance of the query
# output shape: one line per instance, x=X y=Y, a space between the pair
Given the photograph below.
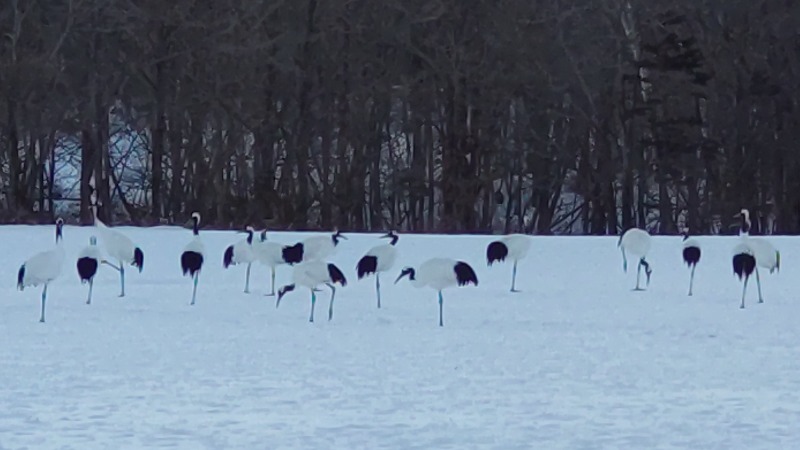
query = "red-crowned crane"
x=193 y=255
x=44 y=267
x=271 y=255
x=89 y=260
x=117 y=246
x=241 y=253
x=636 y=242
x=440 y=274
x=378 y=259
x=514 y=247
x=744 y=263
x=311 y=274
x=691 y=256
x=766 y=255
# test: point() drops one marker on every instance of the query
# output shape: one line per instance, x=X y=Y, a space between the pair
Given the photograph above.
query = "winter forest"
x=537 y=116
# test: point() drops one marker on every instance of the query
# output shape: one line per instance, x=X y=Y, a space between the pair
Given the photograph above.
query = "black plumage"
x=336 y=275
x=191 y=262
x=293 y=254
x=227 y=259
x=496 y=251
x=366 y=266
x=465 y=274
x=87 y=268
x=20 y=278
x=743 y=265
x=691 y=255
x=138 y=258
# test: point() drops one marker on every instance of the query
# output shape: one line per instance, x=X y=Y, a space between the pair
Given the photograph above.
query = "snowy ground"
x=577 y=360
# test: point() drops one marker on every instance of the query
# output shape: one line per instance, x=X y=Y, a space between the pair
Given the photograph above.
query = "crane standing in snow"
x=271 y=255
x=241 y=253
x=378 y=259
x=765 y=254
x=44 y=267
x=691 y=256
x=440 y=274
x=117 y=246
x=513 y=246
x=744 y=263
x=193 y=255
x=637 y=242
x=89 y=259
x=311 y=274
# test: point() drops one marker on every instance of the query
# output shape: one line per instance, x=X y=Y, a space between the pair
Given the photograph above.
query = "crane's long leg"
x=514 y=277
x=89 y=300
x=333 y=294
x=44 y=300
x=758 y=282
x=122 y=279
x=691 y=280
x=272 y=279
x=638 y=274
x=744 y=289
x=194 y=288
x=313 y=302
x=441 y=303
x=121 y=270
x=247 y=279
x=378 y=287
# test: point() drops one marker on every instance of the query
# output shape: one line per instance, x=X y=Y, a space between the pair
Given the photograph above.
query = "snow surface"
x=577 y=360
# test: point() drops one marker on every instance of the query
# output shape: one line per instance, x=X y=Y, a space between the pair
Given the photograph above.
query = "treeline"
x=587 y=116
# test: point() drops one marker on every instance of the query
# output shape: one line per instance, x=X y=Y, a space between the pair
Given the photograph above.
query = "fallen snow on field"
x=577 y=360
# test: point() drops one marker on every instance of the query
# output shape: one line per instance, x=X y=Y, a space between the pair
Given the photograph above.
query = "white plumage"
x=440 y=274
x=118 y=247
x=193 y=255
x=241 y=253
x=514 y=247
x=637 y=242
x=380 y=258
x=89 y=260
x=310 y=274
x=270 y=254
x=44 y=267
x=765 y=254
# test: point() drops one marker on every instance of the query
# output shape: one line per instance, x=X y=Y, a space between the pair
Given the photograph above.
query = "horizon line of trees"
x=535 y=116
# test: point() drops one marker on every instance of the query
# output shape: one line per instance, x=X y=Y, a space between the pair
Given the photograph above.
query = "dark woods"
x=543 y=116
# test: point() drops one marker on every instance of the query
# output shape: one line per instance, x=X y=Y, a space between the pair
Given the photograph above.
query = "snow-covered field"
x=577 y=360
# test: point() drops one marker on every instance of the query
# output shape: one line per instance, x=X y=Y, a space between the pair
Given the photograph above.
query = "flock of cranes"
x=311 y=269
x=749 y=254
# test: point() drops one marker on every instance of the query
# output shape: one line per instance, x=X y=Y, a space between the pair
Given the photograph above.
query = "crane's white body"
x=386 y=255
x=637 y=242
x=318 y=248
x=270 y=254
x=43 y=267
x=518 y=245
